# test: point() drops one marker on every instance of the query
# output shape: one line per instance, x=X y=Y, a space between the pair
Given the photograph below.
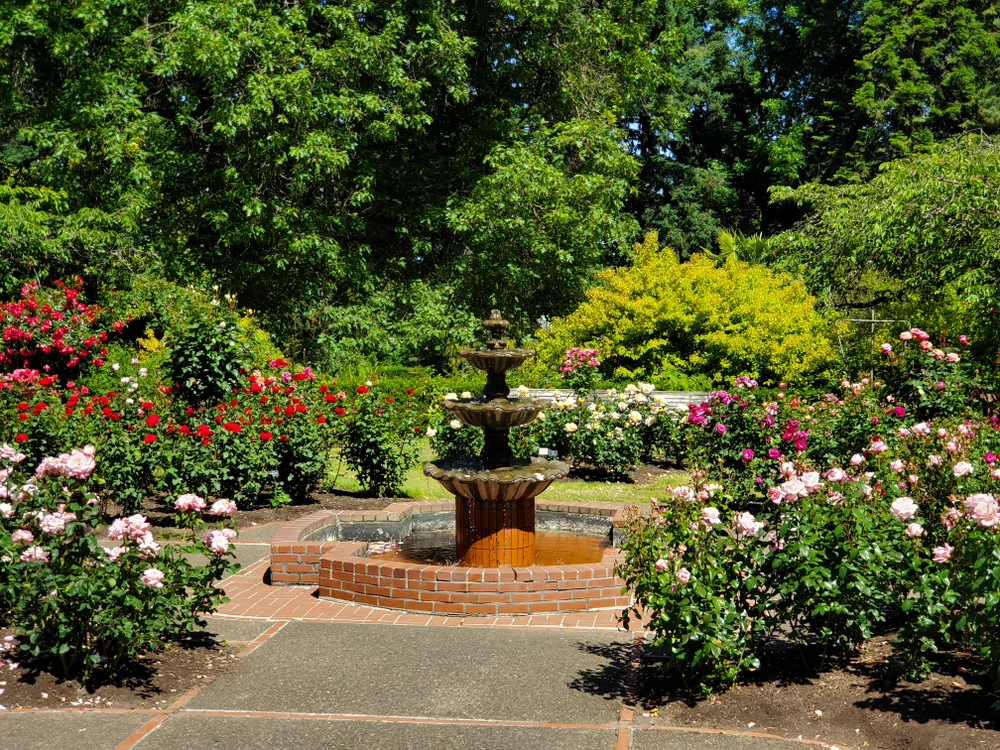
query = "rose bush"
x=72 y=600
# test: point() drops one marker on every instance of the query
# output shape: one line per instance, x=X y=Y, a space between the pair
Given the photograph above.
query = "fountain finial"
x=497 y=326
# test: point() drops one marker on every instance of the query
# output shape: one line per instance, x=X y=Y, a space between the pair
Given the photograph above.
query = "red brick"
x=284 y=558
x=284 y=578
x=448 y=586
x=596 y=603
x=543 y=585
x=415 y=606
x=365 y=599
x=380 y=591
x=480 y=609
x=513 y=586
x=298 y=568
x=495 y=598
x=448 y=608
x=542 y=607
x=507 y=574
x=525 y=597
x=491 y=575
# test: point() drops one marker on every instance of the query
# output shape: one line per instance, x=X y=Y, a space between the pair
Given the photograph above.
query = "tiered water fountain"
x=491 y=568
x=495 y=495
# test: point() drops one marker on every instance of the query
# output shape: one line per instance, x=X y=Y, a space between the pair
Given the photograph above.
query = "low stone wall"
x=312 y=551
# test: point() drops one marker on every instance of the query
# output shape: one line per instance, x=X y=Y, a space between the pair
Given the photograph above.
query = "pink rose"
x=878 y=446
x=857 y=459
x=710 y=516
x=836 y=474
x=52 y=467
x=897 y=466
x=10 y=454
x=952 y=357
x=661 y=564
x=137 y=526
x=794 y=489
x=921 y=428
x=216 y=541
x=905 y=336
x=117 y=530
x=115 y=552
x=81 y=463
x=926 y=346
x=683 y=575
x=943 y=553
x=963 y=339
x=22 y=535
x=153 y=577
x=223 y=508
x=775 y=495
x=747 y=525
x=949 y=517
x=984 y=509
x=903 y=508
x=962 y=469
x=886 y=348
x=190 y=502
x=914 y=530
x=35 y=554
x=935 y=460
x=810 y=480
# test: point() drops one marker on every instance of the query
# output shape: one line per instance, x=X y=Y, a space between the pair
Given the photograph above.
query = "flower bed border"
x=343 y=571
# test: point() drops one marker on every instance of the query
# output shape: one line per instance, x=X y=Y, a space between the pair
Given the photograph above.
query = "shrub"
x=72 y=600
x=659 y=316
x=378 y=445
x=51 y=330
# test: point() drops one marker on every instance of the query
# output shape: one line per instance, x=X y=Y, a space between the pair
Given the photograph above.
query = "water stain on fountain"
x=495 y=494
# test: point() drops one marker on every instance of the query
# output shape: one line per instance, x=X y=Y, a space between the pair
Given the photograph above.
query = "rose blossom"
x=137 y=526
x=914 y=530
x=775 y=495
x=935 y=460
x=153 y=577
x=223 y=508
x=921 y=428
x=746 y=524
x=190 y=501
x=897 y=466
x=8 y=453
x=6 y=509
x=903 y=508
x=836 y=474
x=905 y=336
x=117 y=530
x=52 y=466
x=455 y=424
x=886 y=348
x=710 y=516
x=431 y=432
x=962 y=468
x=683 y=575
x=810 y=480
x=984 y=509
x=794 y=489
x=683 y=493
x=747 y=455
x=216 y=541
x=22 y=535
x=661 y=564
x=877 y=446
x=941 y=554
x=147 y=547
x=33 y=554
x=949 y=517
x=115 y=552
x=570 y=427
x=857 y=459
x=81 y=463
x=952 y=357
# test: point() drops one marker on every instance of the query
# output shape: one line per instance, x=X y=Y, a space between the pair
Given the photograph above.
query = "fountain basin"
x=492 y=415
x=468 y=478
x=329 y=549
x=497 y=360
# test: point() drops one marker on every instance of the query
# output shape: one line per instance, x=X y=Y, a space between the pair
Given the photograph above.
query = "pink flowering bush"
x=579 y=370
x=79 y=603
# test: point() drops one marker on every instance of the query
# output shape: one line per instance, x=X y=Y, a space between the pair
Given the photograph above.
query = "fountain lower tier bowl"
x=494 y=415
x=469 y=479
x=336 y=551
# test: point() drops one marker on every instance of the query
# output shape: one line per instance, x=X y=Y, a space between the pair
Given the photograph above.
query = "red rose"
x=300 y=407
x=323 y=389
x=330 y=398
x=20 y=438
x=151 y=420
x=339 y=410
x=190 y=410
x=22 y=406
x=321 y=420
x=362 y=389
x=266 y=436
x=149 y=439
x=388 y=399
x=147 y=404
x=283 y=438
x=410 y=391
x=22 y=417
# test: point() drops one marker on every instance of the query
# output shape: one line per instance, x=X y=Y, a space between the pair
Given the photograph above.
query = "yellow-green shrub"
x=670 y=322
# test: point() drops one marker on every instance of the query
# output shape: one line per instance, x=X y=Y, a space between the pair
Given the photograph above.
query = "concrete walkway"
x=318 y=677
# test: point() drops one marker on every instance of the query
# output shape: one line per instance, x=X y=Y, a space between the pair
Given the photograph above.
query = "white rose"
x=454 y=424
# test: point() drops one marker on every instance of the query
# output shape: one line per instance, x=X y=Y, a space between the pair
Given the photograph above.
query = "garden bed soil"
x=853 y=705
x=643 y=474
x=153 y=681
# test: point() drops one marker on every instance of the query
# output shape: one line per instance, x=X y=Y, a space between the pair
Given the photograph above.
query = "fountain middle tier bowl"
x=497 y=360
x=495 y=415
x=468 y=478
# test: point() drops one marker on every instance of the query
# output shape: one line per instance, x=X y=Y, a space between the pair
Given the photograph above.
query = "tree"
x=308 y=154
x=926 y=225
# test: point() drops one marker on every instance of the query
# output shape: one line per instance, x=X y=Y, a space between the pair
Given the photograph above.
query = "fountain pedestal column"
x=494 y=533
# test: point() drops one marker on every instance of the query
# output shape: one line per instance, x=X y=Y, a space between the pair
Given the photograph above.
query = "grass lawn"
x=419 y=486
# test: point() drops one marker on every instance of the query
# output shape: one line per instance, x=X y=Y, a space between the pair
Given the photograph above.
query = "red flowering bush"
x=51 y=330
